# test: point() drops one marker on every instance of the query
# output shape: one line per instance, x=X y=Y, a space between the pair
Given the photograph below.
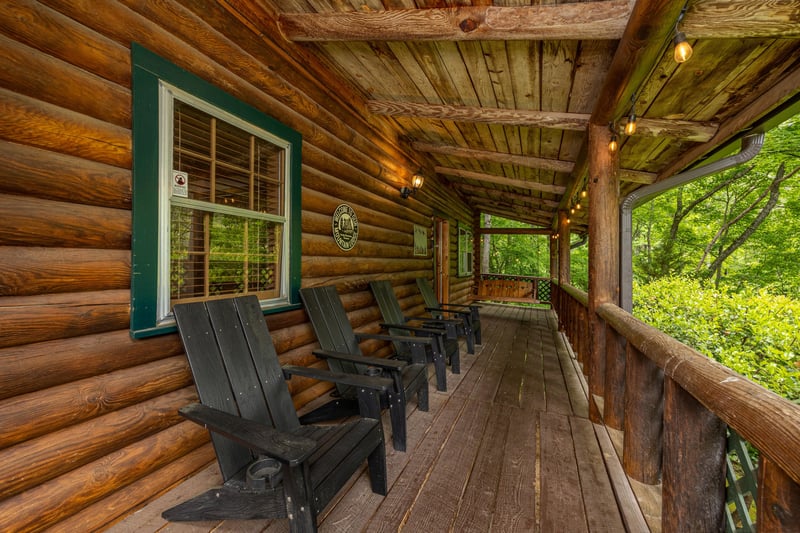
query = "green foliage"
x=746 y=234
x=579 y=263
x=517 y=255
x=753 y=332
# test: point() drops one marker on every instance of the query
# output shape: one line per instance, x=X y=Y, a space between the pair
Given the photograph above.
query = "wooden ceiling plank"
x=590 y=20
x=643 y=42
x=786 y=88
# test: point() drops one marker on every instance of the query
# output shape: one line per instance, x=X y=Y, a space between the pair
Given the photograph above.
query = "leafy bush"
x=755 y=333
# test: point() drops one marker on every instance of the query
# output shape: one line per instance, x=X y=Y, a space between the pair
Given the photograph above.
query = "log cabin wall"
x=88 y=415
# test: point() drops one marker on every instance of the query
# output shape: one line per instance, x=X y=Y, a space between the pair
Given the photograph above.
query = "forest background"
x=716 y=263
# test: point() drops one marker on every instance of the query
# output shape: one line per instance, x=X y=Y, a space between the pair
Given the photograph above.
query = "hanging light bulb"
x=572 y=211
x=583 y=193
x=578 y=206
x=613 y=144
x=683 y=50
x=630 y=126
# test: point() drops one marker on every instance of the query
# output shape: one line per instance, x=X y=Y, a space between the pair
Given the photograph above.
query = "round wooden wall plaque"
x=345 y=227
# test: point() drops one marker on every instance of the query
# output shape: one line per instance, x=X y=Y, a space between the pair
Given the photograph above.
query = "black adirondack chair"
x=469 y=314
x=336 y=335
x=272 y=466
x=397 y=323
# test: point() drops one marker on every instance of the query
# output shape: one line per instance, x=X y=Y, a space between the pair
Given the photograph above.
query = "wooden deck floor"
x=507 y=448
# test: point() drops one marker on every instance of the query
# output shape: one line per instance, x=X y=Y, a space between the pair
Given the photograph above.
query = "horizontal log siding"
x=90 y=429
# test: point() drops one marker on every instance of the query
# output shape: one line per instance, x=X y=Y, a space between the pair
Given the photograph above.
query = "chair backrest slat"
x=333 y=330
x=265 y=359
x=210 y=377
x=238 y=361
x=391 y=312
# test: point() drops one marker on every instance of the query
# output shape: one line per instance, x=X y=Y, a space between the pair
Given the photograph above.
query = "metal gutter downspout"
x=751 y=146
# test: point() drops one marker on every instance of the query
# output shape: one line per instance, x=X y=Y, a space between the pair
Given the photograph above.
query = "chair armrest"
x=389 y=364
x=356 y=380
x=285 y=447
x=444 y=310
x=470 y=306
x=415 y=329
x=437 y=322
x=394 y=338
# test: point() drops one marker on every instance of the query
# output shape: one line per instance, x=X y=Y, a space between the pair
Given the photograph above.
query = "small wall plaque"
x=345 y=227
x=420 y=240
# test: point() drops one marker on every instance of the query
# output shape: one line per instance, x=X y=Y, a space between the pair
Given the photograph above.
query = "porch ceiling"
x=497 y=96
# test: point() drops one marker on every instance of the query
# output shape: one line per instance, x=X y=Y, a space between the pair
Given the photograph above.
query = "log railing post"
x=778 y=503
x=563 y=248
x=644 y=416
x=603 y=254
x=614 y=405
x=695 y=444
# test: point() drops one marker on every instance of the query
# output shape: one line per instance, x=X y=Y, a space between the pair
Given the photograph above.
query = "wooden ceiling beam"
x=539 y=219
x=514 y=231
x=488 y=115
x=554 y=165
x=501 y=180
x=522 y=199
x=653 y=127
x=601 y=20
x=575 y=21
x=741 y=19
x=508 y=203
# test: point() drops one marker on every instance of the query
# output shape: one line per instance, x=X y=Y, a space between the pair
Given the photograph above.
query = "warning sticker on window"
x=180 y=184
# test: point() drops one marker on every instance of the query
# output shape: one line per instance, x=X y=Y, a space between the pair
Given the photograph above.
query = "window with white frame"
x=216 y=197
x=465 y=247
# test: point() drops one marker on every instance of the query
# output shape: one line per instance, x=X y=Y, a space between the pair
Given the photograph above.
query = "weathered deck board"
x=507 y=448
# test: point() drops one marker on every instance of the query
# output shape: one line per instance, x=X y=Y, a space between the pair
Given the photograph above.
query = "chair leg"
x=439 y=363
x=422 y=397
x=397 y=414
x=377 y=470
x=299 y=499
x=470 y=338
x=455 y=361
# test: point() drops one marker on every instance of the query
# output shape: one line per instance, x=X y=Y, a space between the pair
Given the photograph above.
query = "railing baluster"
x=693 y=490
x=778 y=504
x=614 y=405
x=644 y=416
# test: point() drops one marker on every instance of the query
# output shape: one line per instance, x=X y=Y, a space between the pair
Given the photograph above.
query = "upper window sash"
x=150 y=74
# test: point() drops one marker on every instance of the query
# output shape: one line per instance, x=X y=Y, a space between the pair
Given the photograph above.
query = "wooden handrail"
x=576 y=293
x=674 y=404
x=771 y=423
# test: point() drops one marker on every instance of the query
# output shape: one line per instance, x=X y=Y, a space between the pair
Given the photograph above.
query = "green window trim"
x=150 y=72
x=465 y=252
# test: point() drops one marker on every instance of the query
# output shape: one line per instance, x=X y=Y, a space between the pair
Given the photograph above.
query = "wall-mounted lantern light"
x=416 y=184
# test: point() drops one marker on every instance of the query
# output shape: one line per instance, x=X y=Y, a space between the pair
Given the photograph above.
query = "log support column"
x=603 y=255
x=563 y=248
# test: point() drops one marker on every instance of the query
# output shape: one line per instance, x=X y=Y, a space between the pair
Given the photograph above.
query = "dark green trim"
x=148 y=70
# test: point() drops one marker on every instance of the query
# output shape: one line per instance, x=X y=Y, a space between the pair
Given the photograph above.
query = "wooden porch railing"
x=674 y=404
x=509 y=288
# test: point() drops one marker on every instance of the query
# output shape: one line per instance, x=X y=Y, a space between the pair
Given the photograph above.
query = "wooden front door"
x=442 y=258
